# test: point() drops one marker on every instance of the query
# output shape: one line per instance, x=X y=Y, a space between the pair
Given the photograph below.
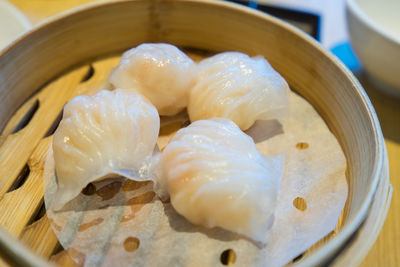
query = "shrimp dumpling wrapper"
x=217 y=178
x=161 y=72
x=111 y=132
x=235 y=86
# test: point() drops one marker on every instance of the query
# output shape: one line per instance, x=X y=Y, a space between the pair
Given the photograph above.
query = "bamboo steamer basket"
x=41 y=71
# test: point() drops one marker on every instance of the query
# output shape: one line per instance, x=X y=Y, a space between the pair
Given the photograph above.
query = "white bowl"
x=12 y=23
x=374 y=30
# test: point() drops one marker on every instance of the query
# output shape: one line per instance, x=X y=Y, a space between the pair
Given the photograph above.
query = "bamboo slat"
x=33 y=236
x=20 y=145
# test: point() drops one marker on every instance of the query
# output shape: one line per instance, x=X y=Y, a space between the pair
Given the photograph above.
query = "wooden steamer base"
x=62 y=58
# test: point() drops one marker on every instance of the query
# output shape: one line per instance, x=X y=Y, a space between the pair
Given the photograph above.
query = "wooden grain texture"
x=21 y=144
x=38 y=9
x=14 y=253
x=386 y=251
x=34 y=234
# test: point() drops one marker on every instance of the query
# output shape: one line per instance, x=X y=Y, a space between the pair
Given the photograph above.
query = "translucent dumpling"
x=216 y=177
x=111 y=132
x=161 y=72
x=235 y=86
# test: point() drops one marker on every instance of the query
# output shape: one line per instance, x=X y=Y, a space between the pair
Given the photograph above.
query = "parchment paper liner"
x=97 y=228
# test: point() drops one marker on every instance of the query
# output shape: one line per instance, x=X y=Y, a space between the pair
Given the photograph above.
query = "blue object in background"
x=253 y=4
x=345 y=53
x=310 y=23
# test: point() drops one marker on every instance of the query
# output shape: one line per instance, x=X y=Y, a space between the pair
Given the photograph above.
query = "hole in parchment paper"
x=27 y=117
x=20 y=180
x=109 y=191
x=228 y=257
x=300 y=203
x=302 y=146
x=131 y=244
x=89 y=190
x=88 y=75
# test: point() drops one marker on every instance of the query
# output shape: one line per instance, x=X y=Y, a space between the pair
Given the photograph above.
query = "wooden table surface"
x=386 y=251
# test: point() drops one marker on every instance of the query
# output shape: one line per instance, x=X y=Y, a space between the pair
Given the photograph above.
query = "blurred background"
x=363 y=34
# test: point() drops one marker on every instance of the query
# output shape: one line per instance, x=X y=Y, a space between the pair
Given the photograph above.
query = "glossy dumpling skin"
x=235 y=86
x=216 y=177
x=161 y=72
x=111 y=132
